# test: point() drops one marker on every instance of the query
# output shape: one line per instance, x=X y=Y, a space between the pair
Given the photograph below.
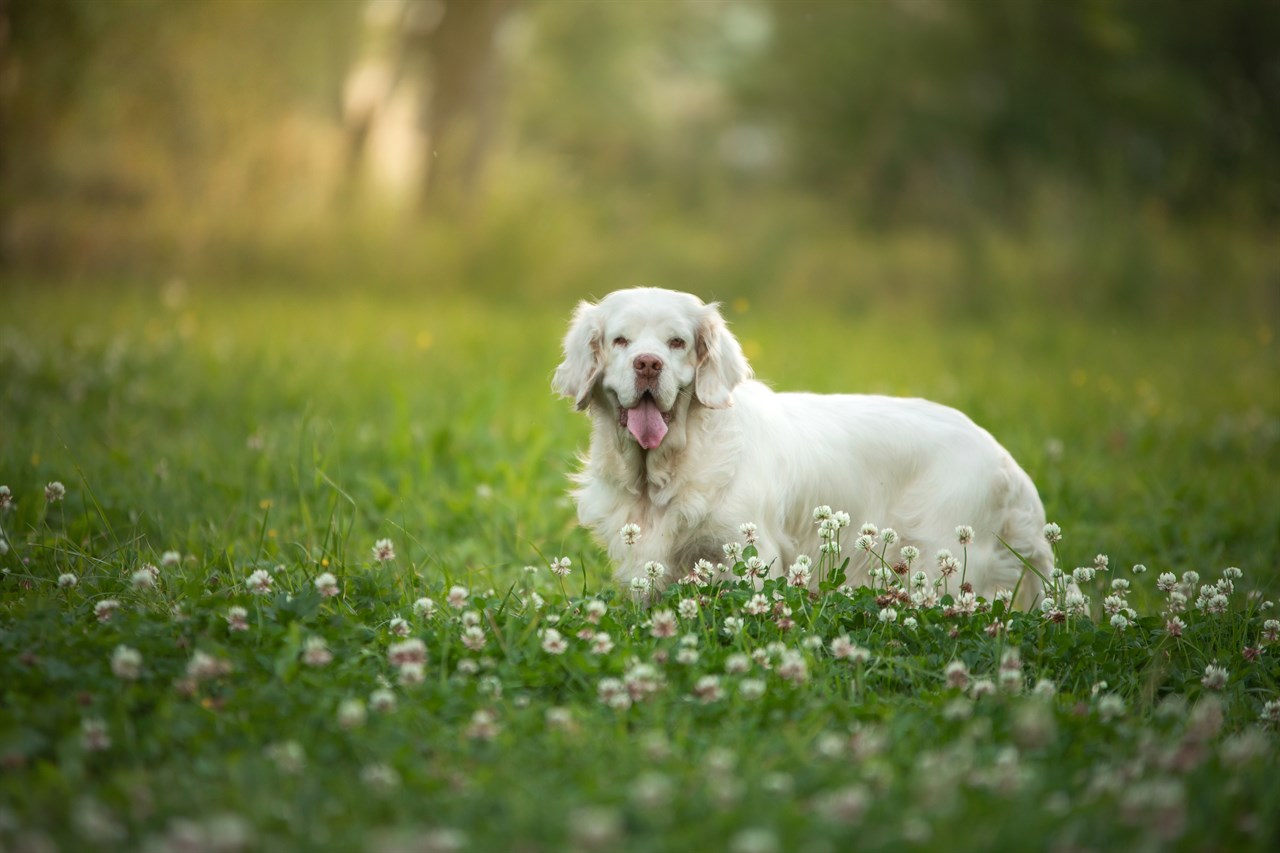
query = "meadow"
x=303 y=590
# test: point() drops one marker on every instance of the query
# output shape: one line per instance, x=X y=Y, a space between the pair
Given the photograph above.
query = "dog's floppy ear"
x=583 y=359
x=721 y=364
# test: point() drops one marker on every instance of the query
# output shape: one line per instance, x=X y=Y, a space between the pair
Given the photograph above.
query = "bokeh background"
x=963 y=157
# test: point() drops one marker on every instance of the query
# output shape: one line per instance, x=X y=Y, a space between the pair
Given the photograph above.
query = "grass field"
x=274 y=433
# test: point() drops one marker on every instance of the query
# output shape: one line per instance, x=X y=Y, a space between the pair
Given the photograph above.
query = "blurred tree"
x=906 y=106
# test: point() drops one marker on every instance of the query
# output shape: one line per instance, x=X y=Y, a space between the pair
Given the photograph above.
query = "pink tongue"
x=646 y=424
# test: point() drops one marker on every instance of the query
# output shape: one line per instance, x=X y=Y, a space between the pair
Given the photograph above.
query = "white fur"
x=737 y=451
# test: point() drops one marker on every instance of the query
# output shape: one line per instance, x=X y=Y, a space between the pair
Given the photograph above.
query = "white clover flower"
x=748 y=531
x=910 y=623
x=326 y=584
x=1119 y=621
x=910 y=553
x=655 y=572
x=170 y=559
x=1082 y=575
x=841 y=518
x=457 y=597
x=1232 y=573
x=792 y=667
x=561 y=566
x=1191 y=579
x=687 y=656
x=351 y=713
x=663 y=624
x=126 y=663
x=601 y=643
x=1271 y=712
x=382 y=701
x=1174 y=626
x=888 y=536
x=1215 y=677
x=758 y=605
x=399 y=627
x=982 y=687
x=473 y=638
x=731 y=625
x=66 y=580
x=237 y=618
x=55 y=492
x=1271 y=630
x=737 y=664
x=688 y=608
x=1110 y=706
x=259 y=583
x=384 y=550
x=844 y=648
x=1120 y=585
x=707 y=689
x=104 y=609
x=553 y=643
x=1139 y=569
x=821 y=513
x=288 y=756
x=888 y=614
x=1101 y=562
x=964 y=534
x=864 y=543
x=595 y=610
x=1052 y=533
x=732 y=551
x=315 y=652
x=956 y=674
x=93 y=735
x=204 y=666
x=415 y=673
x=1005 y=596
x=6 y=499
x=799 y=575
x=630 y=534
x=144 y=578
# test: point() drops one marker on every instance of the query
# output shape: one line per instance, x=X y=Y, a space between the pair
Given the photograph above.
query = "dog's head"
x=635 y=352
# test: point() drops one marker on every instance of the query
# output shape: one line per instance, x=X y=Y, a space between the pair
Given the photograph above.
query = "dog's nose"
x=647 y=366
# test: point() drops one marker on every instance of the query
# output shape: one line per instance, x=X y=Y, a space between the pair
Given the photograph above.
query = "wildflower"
x=844 y=648
x=948 y=565
x=379 y=777
x=688 y=608
x=864 y=543
x=384 y=550
x=888 y=536
x=910 y=623
x=553 y=643
x=1271 y=712
x=351 y=713
x=821 y=513
x=1052 y=533
x=1166 y=582
x=613 y=693
x=382 y=701
x=799 y=575
x=595 y=610
x=326 y=584
x=259 y=583
x=1004 y=596
x=1119 y=621
x=411 y=673
x=964 y=534
x=731 y=625
x=6 y=499
x=630 y=534
x=1271 y=630
x=888 y=614
x=561 y=566
x=982 y=687
x=1110 y=706
x=1232 y=573
x=755 y=567
x=66 y=580
x=288 y=756
x=315 y=652
x=559 y=719
x=170 y=559
x=687 y=656
x=751 y=689
x=237 y=618
x=737 y=664
x=126 y=663
x=457 y=597
x=398 y=626
x=1045 y=687
x=204 y=666
x=1191 y=579
x=601 y=643
x=733 y=552
x=1174 y=626
x=909 y=553
x=534 y=601
x=93 y=735
x=655 y=572
x=1139 y=569
x=55 y=492
x=663 y=624
x=792 y=667
x=1082 y=575
x=756 y=606
x=473 y=638
x=707 y=689
x=1215 y=677
x=424 y=608
x=956 y=674
x=748 y=531
x=594 y=829
x=104 y=609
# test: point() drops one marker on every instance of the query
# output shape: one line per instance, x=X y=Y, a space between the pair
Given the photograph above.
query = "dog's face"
x=634 y=353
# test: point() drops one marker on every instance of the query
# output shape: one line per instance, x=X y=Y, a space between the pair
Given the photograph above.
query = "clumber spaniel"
x=685 y=445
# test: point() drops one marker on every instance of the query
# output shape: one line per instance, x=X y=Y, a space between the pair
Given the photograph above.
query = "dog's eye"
x=620 y=341
x=676 y=343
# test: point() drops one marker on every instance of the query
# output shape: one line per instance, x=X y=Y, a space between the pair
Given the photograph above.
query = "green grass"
x=254 y=429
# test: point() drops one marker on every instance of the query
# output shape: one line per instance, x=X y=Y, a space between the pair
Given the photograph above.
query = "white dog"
x=686 y=446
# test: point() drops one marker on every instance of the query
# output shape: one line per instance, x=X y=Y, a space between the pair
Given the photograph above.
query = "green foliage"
x=283 y=434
